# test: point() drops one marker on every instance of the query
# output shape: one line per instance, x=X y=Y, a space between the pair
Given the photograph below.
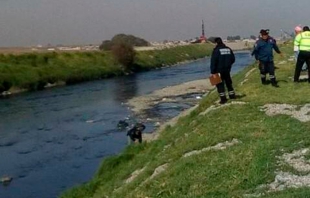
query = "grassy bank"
x=240 y=150
x=33 y=71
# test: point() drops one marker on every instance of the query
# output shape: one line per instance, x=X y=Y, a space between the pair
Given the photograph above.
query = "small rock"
x=6 y=93
x=157 y=124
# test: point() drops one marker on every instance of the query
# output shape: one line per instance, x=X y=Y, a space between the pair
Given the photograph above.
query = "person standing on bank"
x=222 y=60
x=298 y=30
x=302 y=40
x=263 y=51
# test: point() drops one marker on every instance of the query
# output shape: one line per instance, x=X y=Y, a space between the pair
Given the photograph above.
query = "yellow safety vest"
x=303 y=41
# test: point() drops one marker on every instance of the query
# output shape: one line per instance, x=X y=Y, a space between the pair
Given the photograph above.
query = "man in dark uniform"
x=263 y=51
x=135 y=133
x=221 y=62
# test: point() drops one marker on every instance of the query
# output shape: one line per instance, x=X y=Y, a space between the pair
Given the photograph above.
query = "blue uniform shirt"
x=263 y=49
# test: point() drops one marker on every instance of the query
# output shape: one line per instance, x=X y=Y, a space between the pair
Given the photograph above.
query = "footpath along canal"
x=55 y=139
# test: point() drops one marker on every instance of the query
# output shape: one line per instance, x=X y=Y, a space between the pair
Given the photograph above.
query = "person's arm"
x=233 y=58
x=297 y=41
x=296 y=45
x=142 y=127
x=214 y=61
x=130 y=132
x=255 y=50
x=275 y=46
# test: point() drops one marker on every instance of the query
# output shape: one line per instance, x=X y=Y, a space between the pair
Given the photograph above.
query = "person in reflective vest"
x=302 y=40
x=263 y=52
x=298 y=30
x=221 y=62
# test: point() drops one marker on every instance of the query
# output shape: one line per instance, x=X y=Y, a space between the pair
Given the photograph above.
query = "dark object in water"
x=122 y=124
x=6 y=180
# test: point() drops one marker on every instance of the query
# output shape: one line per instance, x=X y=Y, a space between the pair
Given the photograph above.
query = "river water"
x=54 y=139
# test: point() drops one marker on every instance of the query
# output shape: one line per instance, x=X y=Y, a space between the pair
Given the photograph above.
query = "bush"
x=106 y=45
x=124 y=54
x=123 y=38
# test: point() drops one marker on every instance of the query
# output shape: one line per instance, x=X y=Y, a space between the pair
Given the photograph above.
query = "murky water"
x=54 y=139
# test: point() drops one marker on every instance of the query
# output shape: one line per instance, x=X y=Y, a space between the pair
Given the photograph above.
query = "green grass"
x=33 y=71
x=233 y=172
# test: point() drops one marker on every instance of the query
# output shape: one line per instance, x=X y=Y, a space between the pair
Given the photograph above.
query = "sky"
x=70 y=22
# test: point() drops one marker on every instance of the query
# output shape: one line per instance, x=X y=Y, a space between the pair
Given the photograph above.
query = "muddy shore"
x=139 y=105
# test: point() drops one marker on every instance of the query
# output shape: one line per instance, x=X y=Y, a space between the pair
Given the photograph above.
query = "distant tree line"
x=233 y=38
x=253 y=37
x=230 y=38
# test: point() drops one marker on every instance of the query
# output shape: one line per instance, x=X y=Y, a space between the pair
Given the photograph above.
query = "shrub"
x=124 y=54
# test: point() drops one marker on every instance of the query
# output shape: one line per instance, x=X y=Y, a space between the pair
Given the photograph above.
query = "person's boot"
x=274 y=82
x=264 y=82
x=232 y=94
x=223 y=100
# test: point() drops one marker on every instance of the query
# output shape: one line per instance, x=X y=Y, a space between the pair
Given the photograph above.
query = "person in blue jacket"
x=263 y=52
x=222 y=60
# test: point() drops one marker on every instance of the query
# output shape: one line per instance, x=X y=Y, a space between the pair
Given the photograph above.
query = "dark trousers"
x=267 y=67
x=303 y=56
x=132 y=138
x=226 y=79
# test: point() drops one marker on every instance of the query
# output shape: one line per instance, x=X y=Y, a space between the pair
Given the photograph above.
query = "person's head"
x=306 y=28
x=298 y=29
x=139 y=126
x=264 y=34
x=218 y=40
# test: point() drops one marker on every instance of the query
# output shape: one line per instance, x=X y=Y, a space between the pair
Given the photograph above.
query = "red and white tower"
x=203 y=38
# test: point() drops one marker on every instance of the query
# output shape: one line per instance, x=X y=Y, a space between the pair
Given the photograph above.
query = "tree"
x=211 y=39
x=233 y=38
x=124 y=54
x=129 y=39
x=106 y=45
x=123 y=38
x=253 y=37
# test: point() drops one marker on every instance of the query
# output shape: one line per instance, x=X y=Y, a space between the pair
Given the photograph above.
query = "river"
x=55 y=139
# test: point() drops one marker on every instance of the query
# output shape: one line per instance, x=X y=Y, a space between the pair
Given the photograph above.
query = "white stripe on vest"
x=224 y=51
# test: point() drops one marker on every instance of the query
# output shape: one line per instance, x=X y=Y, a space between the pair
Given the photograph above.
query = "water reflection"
x=125 y=88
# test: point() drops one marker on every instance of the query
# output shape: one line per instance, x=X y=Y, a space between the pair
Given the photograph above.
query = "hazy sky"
x=32 y=22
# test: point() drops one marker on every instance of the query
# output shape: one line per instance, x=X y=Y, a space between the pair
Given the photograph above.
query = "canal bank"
x=69 y=130
x=39 y=71
x=256 y=146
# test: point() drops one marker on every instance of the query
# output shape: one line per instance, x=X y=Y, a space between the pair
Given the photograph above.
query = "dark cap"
x=264 y=32
x=305 y=28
